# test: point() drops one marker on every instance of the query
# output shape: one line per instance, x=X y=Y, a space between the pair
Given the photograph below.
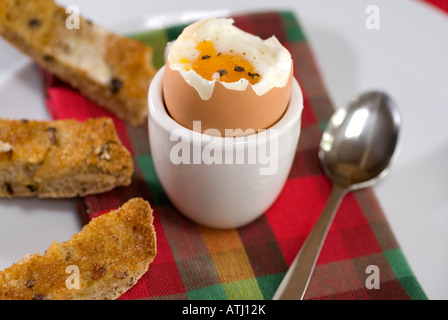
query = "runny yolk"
x=212 y=65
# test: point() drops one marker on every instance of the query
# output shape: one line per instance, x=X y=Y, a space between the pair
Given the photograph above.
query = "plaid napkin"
x=439 y=4
x=195 y=262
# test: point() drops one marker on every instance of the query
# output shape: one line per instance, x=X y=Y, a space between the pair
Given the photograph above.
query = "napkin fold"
x=195 y=262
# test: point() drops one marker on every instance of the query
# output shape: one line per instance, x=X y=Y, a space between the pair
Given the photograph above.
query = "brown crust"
x=89 y=58
x=110 y=253
x=62 y=158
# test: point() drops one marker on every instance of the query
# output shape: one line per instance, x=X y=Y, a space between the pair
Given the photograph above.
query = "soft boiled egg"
x=224 y=81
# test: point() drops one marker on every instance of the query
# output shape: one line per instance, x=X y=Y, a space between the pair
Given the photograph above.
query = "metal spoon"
x=355 y=151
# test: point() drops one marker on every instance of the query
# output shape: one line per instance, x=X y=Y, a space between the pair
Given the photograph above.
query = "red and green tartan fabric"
x=195 y=262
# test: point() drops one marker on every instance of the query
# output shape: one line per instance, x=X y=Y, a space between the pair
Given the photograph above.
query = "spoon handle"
x=295 y=282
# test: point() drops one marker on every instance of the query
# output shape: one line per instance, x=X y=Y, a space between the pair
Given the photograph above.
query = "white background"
x=406 y=57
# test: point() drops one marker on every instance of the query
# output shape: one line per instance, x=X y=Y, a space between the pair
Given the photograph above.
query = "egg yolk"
x=212 y=65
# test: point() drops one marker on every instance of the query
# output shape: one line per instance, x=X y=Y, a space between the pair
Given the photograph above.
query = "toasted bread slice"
x=110 y=70
x=62 y=158
x=101 y=262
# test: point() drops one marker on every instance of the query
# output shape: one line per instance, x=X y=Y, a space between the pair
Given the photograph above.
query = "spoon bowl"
x=360 y=141
x=356 y=150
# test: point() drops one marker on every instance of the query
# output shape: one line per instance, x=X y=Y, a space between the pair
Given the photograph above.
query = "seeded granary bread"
x=110 y=70
x=62 y=158
x=101 y=262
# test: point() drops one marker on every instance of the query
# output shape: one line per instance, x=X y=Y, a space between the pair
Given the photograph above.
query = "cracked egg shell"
x=222 y=105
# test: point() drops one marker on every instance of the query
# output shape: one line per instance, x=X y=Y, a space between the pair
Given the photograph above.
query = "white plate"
x=406 y=57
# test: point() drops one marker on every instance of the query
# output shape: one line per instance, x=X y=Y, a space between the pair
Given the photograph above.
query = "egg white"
x=269 y=57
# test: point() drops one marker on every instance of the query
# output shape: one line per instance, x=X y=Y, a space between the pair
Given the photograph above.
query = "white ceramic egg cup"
x=222 y=182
